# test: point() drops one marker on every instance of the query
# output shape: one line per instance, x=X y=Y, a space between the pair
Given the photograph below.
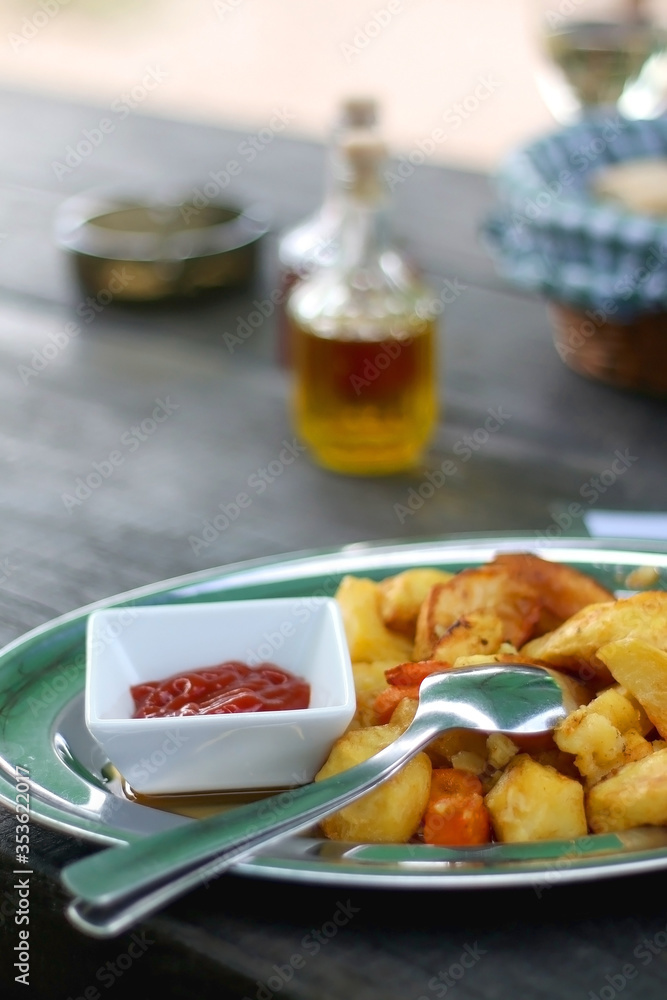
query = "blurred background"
x=461 y=72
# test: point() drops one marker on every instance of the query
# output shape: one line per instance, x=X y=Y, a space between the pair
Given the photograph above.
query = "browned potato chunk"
x=641 y=668
x=562 y=589
x=574 y=645
x=477 y=659
x=533 y=801
x=475 y=633
x=489 y=588
x=636 y=746
x=635 y=796
x=597 y=744
x=622 y=710
x=500 y=750
x=605 y=734
x=392 y=812
x=368 y=637
x=562 y=762
x=401 y=596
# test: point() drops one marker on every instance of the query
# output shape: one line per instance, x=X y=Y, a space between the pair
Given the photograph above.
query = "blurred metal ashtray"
x=137 y=250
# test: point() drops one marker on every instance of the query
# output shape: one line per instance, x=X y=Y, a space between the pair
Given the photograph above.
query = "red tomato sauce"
x=229 y=687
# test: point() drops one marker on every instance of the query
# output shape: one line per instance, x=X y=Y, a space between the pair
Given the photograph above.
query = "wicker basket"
x=601 y=268
x=629 y=357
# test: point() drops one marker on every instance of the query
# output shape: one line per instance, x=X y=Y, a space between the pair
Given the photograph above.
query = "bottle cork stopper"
x=359 y=112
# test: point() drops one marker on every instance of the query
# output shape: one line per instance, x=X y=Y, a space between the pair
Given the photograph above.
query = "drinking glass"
x=602 y=53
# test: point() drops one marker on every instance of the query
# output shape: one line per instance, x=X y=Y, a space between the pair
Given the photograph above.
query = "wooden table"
x=227 y=419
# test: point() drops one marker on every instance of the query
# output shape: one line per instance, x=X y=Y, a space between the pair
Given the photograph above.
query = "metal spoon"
x=118 y=887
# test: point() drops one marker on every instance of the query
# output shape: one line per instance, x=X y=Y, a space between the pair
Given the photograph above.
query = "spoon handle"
x=118 y=887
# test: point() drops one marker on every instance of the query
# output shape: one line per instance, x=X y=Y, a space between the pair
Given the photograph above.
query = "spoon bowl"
x=117 y=887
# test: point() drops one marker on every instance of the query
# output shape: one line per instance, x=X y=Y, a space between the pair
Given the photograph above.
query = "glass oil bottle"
x=363 y=330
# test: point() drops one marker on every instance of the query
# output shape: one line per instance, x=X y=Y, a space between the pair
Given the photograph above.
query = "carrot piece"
x=387 y=700
x=409 y=674
x=404 y=681
x=456 y=814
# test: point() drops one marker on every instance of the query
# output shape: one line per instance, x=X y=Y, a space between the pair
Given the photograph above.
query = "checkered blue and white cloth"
x=549 y=235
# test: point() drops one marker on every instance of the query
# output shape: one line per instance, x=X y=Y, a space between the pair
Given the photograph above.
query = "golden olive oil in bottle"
x=363 y=331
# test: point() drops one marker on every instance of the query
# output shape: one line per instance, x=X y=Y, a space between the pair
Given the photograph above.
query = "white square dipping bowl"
x=237 y=751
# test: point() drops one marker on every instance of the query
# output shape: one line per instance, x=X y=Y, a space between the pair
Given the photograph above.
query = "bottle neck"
x=364 y=232
x=356 y=115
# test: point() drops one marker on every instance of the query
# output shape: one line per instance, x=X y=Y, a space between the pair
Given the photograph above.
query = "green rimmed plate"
x=43 y=735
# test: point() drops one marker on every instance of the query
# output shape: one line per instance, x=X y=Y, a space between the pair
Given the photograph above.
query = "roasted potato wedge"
x=599 y=747
x=368 y=637
x=401 y=596
x=532 y=801
x=489 y=589
x=573 y=646
x=636 y=795
x=562 y=589
x=475 y=633
x=642 y=669
x=622 y=709
x=392 y=812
